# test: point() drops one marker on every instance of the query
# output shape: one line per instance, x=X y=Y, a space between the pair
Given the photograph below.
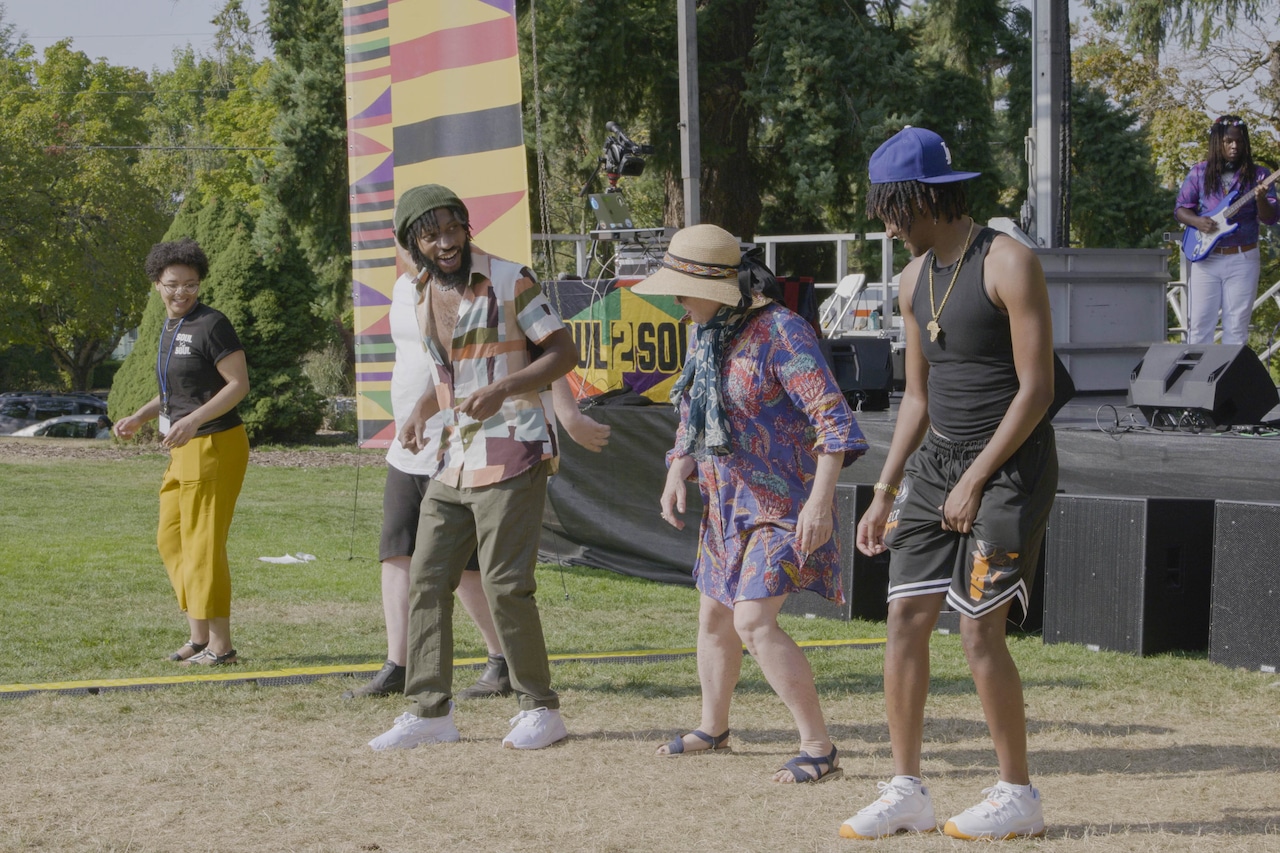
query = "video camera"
x=623 y=157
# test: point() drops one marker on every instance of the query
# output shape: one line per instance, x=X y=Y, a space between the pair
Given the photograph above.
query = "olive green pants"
x=502 y=523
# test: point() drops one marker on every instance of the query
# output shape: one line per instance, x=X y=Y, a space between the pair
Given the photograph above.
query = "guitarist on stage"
x=1226 y=278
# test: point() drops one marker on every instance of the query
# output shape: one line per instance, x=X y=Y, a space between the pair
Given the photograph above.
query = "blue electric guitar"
x=1196 y=245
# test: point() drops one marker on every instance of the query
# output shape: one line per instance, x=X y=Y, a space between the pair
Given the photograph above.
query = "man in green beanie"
x=494 y=343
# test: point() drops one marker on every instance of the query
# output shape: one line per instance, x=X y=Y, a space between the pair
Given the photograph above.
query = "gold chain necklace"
x=934 y=329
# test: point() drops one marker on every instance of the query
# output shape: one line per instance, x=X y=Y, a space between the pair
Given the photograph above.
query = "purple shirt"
x=1195 y=196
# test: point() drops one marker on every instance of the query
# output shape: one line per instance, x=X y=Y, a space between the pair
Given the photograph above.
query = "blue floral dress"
x=784 y=407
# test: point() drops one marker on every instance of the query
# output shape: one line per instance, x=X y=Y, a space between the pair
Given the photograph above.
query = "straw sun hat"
x=703 y=262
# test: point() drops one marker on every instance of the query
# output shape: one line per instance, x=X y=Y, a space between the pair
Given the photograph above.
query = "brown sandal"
x=189 y=650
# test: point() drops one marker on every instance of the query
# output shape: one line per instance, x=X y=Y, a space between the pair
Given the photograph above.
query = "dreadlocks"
x=426 y=223
x=1217 y=164
x=896 y=203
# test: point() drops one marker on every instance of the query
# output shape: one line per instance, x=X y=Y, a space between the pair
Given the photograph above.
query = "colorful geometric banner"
x=433 y=96
x=624 y=340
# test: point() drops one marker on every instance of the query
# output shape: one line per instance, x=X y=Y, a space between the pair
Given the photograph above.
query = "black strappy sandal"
x=715 y=744
x=809 y=769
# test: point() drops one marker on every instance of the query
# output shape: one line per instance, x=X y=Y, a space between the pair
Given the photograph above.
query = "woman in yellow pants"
x=201 y=371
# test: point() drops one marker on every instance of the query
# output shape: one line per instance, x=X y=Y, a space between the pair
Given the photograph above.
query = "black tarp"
x=602 y=508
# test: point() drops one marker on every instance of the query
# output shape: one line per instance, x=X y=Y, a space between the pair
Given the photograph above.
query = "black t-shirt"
x=187 y=368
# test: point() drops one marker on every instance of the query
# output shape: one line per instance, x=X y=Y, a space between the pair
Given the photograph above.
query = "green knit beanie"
x=418 y=201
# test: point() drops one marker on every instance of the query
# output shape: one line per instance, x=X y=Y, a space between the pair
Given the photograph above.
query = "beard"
x=453 y=280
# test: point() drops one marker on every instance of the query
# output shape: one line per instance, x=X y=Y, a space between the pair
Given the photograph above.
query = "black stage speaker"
x=863 y=368
x=866 y=579
x=1244 y=627
x=1179 y=386
x=1129 y=574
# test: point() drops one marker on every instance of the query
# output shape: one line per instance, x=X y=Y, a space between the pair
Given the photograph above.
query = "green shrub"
x=329 y=370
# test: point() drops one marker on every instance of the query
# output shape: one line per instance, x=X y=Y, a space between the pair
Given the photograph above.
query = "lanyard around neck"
x=162 y=371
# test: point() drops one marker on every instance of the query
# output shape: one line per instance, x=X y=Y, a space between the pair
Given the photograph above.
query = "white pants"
x=1226 y=283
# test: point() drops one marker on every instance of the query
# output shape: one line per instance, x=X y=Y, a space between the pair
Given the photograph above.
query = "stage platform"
x=602 y=509
x=1105 y=448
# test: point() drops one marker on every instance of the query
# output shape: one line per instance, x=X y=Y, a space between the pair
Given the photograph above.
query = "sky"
x=138 y=33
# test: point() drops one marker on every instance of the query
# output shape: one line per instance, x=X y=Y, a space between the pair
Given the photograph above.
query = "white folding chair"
x=837 y=305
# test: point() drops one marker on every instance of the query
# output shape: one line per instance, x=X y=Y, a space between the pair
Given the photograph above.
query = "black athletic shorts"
x=401 y=509
x=997 y=560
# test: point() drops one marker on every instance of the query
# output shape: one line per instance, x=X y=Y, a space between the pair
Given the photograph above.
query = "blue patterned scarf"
x=707 y=425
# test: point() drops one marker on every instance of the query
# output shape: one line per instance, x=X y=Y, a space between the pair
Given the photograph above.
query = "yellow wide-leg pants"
x=197 y=500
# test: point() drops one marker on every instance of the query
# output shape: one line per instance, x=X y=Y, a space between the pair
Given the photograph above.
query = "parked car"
x=23 y=410
x=68 y=426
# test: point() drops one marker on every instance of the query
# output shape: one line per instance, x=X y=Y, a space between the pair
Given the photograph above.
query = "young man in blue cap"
x=966 y=489
x=494 y=343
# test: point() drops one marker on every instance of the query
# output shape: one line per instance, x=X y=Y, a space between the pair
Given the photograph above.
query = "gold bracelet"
x=885 y=487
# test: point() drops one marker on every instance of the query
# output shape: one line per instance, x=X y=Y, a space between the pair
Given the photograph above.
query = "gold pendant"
x=934 y=330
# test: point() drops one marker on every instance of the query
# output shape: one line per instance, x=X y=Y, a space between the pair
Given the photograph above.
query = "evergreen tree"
x=1117 y=201
x=266 y=298
x=306 y=194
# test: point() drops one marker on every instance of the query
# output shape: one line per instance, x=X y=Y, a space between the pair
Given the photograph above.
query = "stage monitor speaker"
x=1129 y=574
x=866 y=579
x=1179 y=386
x=1244 y=627
x=863 y=367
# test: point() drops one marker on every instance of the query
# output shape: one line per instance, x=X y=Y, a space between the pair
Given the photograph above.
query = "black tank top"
x=972 y=379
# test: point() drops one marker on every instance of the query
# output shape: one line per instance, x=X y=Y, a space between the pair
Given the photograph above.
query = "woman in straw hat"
x=766 y=430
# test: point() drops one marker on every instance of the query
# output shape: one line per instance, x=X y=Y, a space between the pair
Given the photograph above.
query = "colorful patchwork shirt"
x=502 y=313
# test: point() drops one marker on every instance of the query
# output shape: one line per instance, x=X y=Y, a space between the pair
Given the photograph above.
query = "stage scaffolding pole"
x=1046 y=154
x=690 y=136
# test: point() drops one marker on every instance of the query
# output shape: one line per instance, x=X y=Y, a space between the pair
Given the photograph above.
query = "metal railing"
x=585 y=249
x=586 y=258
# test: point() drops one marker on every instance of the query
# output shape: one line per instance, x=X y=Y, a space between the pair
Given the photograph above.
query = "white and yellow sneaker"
x=1009 y=811
x=904 y=806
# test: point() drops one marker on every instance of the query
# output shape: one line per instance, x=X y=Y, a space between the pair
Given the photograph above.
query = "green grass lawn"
x=84 y=594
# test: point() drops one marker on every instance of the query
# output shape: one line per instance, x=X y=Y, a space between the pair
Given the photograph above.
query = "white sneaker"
x=535 y=729
x=1009 y=811
x=904 y=806
x=411 y=730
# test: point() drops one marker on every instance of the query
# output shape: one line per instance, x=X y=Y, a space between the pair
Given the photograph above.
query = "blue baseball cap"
x=914 y=154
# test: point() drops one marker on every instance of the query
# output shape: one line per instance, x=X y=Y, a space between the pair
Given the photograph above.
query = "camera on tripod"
x=623 y=157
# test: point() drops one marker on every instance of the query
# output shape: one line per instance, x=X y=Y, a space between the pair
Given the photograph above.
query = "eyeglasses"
x=172 y=289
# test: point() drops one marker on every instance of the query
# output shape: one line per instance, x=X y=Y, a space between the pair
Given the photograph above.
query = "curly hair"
x=896 y=203
x=1216 y=163
x=427 y=222
x=185 y=251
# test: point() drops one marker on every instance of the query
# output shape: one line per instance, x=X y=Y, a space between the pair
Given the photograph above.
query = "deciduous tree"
x=79 y=215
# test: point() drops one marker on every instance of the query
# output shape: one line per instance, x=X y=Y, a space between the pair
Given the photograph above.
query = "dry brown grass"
x=286 y=768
